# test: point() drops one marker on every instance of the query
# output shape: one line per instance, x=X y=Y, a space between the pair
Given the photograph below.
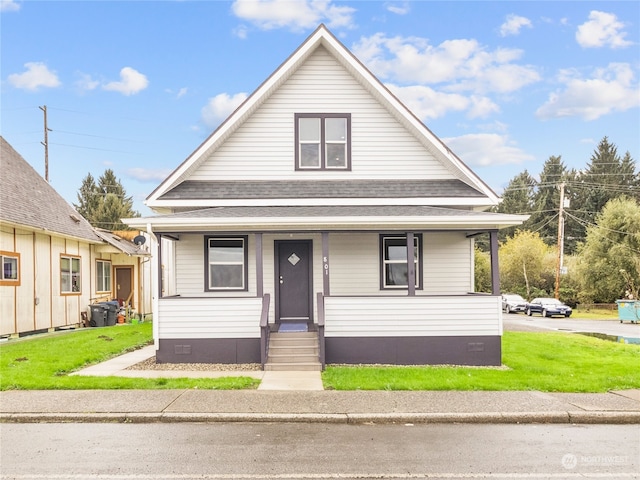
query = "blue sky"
x=137 y=86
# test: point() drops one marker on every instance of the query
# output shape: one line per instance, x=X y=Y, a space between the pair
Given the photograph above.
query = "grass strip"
x=43 y=362
x=549 y=362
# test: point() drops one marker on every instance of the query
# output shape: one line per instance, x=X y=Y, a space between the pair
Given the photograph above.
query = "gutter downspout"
x=154 y=248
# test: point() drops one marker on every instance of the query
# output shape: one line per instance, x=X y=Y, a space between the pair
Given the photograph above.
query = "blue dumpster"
x=628 y=310
x=98 y=315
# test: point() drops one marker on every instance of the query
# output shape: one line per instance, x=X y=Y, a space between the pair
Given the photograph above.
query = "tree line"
x=601 y=231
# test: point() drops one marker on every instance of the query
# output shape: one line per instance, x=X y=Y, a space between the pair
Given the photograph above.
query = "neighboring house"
x=54 y=263
x=323 y=201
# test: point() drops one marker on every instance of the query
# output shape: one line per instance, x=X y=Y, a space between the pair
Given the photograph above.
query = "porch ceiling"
x=326 y=218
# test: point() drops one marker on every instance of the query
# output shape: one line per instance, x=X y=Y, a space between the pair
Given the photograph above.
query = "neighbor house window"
x=10 y=268
x=226 y=261
x=323 y=141
x=103 y=276
x=70 y=277
x=393 y=261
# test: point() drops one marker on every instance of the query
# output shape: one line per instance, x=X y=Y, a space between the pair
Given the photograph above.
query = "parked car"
x=548 y=307
x=512 y=302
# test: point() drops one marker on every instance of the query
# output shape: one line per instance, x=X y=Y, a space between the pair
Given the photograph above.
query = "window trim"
x=245 y=269
x=99 y=280
x=419 y=266
x=323 y=144
x=79 y=274
x=15 y=282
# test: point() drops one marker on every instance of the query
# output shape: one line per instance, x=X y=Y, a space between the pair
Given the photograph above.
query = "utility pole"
x=46 y=144
x=560 y=240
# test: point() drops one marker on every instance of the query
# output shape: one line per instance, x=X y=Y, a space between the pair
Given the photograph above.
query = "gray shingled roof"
x=249 y=189
x=26 y=199
x=329 y=211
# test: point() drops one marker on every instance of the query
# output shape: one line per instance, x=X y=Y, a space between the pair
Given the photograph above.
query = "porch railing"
x=321 y=329
x=264 y=329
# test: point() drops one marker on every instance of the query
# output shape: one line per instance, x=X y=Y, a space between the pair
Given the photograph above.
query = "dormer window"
x=323 y=141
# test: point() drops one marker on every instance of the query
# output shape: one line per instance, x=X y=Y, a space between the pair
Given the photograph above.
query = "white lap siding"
x=209 y=318
x=355 y=264
x=190 y=267
x=412 y=316
x=381 y=147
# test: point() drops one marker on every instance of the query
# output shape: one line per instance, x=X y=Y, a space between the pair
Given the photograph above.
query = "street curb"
x=616 y=418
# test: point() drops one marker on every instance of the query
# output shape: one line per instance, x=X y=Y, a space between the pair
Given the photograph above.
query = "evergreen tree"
x=104 y=204
x=546 y=200
x=517 y=198
x=88 y=199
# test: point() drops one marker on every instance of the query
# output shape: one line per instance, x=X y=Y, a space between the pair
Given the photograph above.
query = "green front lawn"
x=551 y=362
x=43 y=362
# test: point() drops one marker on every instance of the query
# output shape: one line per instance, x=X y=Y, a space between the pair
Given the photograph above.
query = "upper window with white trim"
x=323 y=141
x=10 y=274
x=226 y=260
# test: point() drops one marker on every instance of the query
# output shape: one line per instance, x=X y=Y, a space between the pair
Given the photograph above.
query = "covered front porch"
x=338 y=281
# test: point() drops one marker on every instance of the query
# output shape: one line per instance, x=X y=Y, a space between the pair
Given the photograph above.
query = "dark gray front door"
x=293 y=281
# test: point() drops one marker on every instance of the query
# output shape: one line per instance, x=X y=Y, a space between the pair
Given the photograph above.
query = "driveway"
x=536 y=323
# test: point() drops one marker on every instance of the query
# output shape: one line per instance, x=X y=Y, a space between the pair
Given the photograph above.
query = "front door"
x=294 y=298
x=124 y=280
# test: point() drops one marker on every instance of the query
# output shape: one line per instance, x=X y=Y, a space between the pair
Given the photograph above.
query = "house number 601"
x=325 y=262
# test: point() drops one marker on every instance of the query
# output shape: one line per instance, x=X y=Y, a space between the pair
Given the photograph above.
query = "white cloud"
x=602 y=29
x=182 y=92
x=399 y=8
x=296 y=15
x=427 y=103
x=131 y=82
x=608 y=90
x=37 y=75
x=513 y=25
x=462 y=64
x=148 y=174
x=220 y=107
x=86 y=83
x=486 y=149
x=9 y=6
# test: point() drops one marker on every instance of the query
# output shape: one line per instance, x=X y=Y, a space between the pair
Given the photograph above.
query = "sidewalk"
x=299 y=397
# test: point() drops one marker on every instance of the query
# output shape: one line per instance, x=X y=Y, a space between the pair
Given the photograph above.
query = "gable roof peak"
x=322 y=36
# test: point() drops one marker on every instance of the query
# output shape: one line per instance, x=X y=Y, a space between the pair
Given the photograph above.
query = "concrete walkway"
x=298 y=381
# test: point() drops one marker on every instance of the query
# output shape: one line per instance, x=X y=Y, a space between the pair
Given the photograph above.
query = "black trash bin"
x=112 y=312
x=98 y=315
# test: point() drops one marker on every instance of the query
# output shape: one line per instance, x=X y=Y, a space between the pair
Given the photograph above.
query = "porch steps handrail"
x=320 y=298
x=264 y=329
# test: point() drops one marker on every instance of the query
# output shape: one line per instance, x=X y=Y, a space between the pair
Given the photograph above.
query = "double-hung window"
x=103 y=276
x=323 y=141
x=70 y=274
x=393 y=261
x=226 y=263
x=10 y=274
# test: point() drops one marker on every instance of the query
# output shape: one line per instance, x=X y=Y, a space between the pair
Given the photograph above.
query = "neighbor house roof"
x=119 y=243
x=27 y=200
x=321 y=37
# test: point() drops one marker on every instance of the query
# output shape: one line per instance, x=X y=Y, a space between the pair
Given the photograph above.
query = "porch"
x=433 y=329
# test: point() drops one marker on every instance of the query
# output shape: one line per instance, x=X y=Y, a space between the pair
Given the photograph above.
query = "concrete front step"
x=293 y=367
x=293 y=351
x=295 y=358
